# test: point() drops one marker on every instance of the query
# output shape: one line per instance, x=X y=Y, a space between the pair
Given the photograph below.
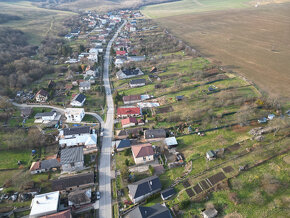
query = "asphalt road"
x=105 y=203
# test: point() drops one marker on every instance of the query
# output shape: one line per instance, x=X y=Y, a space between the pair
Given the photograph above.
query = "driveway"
x=105 y=203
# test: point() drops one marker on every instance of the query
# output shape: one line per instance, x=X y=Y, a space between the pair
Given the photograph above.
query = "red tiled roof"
x=63 y=214
x=128 y=111
x=142 y=150
x=120 y=52
x=128 y=121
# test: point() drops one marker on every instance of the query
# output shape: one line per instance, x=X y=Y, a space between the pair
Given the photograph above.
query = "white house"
x=78 y=100
x=143 y=153
x=74 y=115
x=90 y=73
x=44 y=204
x=45 y=117
x=93 y=57
x=84 y=86
x=137 y=83
x=128 y=73
x=88 y=141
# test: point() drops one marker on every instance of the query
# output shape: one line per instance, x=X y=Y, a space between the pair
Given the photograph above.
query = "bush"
x=151 y=169
x=128 y=152
x=127 y=162
x=184 y=204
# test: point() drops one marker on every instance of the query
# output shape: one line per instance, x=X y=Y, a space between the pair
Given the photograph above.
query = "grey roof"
x=124 y=143
x=144 y=186
x=71 y=181
x=131 y=72
x=45 y=114
x=155 y=133
x=127 y=132
x=79 y=197
x=167 y=193
x=85 y=84
x=80 y=98
x=137 y=81
x=49 y=164
x=211 y=212
x=71 y=155
x=155 y=211
x=211 y=153
x=76 y=130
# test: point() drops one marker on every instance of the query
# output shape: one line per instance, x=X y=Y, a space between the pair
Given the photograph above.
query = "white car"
x=98 y=194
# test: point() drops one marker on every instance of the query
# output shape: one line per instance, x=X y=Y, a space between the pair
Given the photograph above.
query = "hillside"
x=98 y=5
x=252 y=41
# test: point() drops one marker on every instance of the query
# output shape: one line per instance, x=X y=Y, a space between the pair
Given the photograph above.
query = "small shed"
x=210 y=213
x=171 y=142
x=179 y=98
x=210 y=155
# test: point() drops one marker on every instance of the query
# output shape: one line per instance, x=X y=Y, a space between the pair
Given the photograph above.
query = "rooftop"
x=70 y=181
x=144 y=186
x=155 y=133
x=76 y=130
x=73 y=111
x=45 y=203
x=142 y=150
x=137 y=81
x=128 y=121
x=155 y=211
x=71 y=155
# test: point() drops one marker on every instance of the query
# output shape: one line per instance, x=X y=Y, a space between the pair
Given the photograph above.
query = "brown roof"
x=132 y=98
x=42 y=92
x=128 y=121
x=142 y=150
x=63 y=214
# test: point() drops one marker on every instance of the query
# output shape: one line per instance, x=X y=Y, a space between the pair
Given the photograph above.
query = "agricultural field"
x=252 y=41
x=35 y=22
x=189 y=6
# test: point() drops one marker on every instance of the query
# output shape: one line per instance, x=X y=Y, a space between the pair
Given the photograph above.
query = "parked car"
x=98 y=194
x=262 y=120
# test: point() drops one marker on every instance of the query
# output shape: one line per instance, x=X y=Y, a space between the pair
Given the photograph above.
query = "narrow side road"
x=61 y=110
x=105 y=204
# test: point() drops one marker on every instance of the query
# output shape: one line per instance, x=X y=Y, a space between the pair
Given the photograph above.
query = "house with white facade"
x=74 y=115
x=143 y=153
x=84 y=86
x=46 y=117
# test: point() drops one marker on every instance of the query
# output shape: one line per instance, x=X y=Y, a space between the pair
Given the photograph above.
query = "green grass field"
x=8 y=159
x=35 y=22
x=190 y=6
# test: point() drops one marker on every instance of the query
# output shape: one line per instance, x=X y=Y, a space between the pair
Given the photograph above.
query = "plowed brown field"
x=254 y=42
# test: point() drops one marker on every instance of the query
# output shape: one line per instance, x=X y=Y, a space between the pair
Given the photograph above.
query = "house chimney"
x=46 y=197
x=37 y=202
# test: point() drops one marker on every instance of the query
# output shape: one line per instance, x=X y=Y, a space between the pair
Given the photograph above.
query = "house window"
x=144 y=158
x=72 y=164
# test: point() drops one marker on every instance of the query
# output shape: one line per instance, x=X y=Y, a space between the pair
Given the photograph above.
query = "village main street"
x=105 y=203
